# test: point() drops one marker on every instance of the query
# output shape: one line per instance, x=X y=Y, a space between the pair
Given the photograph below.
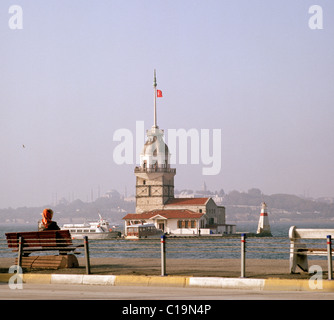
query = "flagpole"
x=155 y=100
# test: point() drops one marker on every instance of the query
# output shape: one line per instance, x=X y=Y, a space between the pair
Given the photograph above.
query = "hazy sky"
x=79 y=71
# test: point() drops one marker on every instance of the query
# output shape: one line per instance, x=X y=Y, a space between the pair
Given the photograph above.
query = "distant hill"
x=240 y=206
x=246 y=206
x=113 y=209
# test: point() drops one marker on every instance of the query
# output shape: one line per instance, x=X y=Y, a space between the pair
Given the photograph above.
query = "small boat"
x=142 y=231
x=93 y=230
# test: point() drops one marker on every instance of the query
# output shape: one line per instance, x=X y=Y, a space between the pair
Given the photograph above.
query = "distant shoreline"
x=242 y=222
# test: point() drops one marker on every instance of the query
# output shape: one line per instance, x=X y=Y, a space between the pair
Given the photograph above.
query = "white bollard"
x=163 y=255
x=329 y=257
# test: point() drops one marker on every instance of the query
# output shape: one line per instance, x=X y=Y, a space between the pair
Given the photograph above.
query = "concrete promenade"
x=34 y=291
x=227 y=268
x=261 y=275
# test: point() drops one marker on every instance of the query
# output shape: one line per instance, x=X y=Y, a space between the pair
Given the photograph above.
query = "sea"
x=225 y=247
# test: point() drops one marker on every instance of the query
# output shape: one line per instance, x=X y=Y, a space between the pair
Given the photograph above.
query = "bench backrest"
x=56 y=238
x=295 y=233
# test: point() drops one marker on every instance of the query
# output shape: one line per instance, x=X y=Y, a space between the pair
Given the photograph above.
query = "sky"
x=78 y=72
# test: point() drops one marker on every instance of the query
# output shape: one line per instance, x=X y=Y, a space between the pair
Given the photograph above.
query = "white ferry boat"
x=93 y=230
x=142 y=231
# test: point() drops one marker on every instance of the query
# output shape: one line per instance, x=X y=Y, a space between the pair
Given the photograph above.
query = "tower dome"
x=155 y=153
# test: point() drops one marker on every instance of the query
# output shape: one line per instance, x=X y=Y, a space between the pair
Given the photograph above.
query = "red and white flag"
x=159 y=93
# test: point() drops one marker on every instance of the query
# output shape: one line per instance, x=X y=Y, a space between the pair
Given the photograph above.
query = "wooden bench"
x=299 y=250
x=39 y=241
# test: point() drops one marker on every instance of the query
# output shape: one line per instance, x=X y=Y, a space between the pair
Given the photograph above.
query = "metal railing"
x=166 y=248
x=154 y=169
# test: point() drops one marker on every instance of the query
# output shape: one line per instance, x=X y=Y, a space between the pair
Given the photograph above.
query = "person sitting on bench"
x=46 y=223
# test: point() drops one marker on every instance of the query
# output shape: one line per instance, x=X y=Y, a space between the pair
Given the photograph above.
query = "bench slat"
x=295 y=233
x=33 y=249
x=57 y=238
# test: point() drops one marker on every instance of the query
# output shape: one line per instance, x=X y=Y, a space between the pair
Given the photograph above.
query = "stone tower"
x=154 y=177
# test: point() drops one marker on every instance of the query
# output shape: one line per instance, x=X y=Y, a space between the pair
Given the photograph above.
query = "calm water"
x=276 y=247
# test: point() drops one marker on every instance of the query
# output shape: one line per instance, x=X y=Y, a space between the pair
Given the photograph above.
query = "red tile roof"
x=168 y=214
x=187 y=201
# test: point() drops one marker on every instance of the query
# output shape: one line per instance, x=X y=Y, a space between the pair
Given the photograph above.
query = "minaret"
x=264 y=226
x=154 y=176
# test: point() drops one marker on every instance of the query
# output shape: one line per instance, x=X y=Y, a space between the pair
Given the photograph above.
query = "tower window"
x=144 y=182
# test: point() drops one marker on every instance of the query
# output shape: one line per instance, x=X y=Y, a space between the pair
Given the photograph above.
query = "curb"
x=174 y=281
x=227 y=283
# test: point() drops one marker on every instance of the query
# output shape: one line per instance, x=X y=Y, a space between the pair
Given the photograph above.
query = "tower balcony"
x=154 y=169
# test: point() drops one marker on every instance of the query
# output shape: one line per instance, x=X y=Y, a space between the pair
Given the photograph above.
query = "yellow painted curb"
x=131 y=281
x=296 y=285
x=36 y=278
x=169 y=281
x=151 y=281
x=4 y=277
x=328 y=285
x=279 y=284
